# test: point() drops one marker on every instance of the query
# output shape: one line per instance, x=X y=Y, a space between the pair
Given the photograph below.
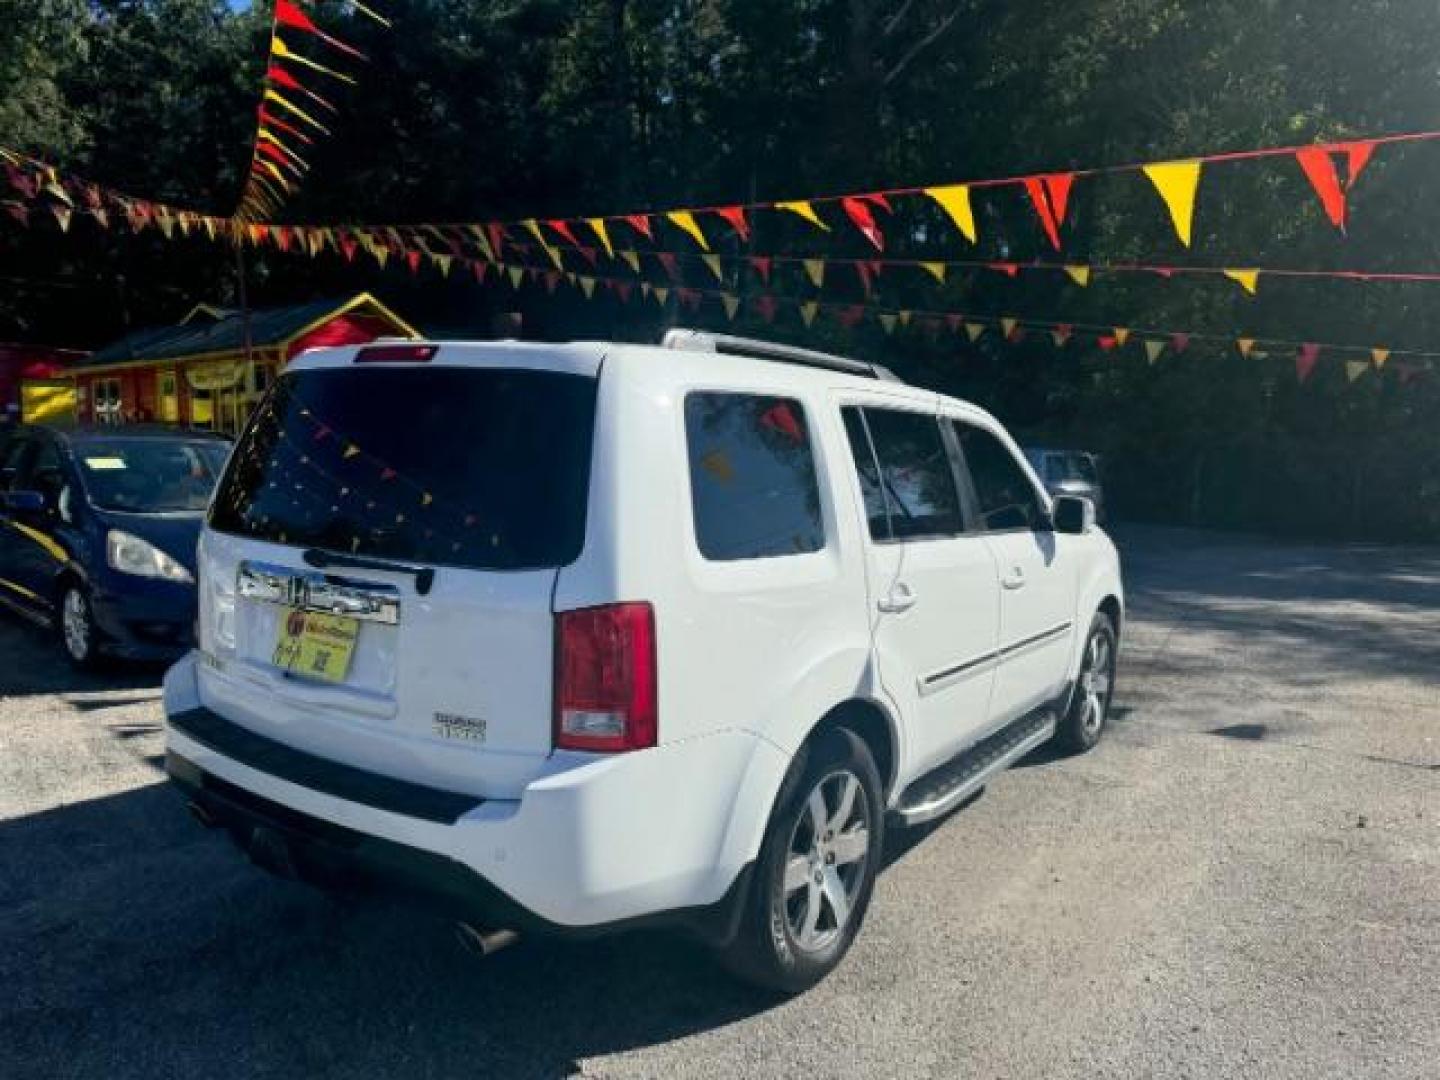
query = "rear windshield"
x=150 y=475
x=486 y=469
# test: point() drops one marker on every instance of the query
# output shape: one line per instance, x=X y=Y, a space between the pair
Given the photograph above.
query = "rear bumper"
x=659 y=837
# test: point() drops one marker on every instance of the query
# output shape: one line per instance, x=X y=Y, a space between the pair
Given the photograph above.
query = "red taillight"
x=396 y=354
x=605 y=678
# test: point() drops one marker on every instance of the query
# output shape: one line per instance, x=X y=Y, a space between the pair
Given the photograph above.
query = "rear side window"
x=753 y=489
x=916 y=476
x=487 y=469
x=1006 y=497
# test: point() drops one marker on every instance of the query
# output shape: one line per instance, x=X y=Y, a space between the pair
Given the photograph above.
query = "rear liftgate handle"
x=1015 y=579
x=901 y=598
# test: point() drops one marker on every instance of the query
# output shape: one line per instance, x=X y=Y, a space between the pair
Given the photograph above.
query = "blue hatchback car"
x=98 y=528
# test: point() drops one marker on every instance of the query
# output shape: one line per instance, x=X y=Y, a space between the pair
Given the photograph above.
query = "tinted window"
x=752 y=477
x=486 y=469
x=916 y=476
x=147 y=476
x=12 y=458
x=1006 y=496
x=875 y=512
x=47 y=470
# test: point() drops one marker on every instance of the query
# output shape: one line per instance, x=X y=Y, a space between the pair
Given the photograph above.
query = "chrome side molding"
x=320 y=593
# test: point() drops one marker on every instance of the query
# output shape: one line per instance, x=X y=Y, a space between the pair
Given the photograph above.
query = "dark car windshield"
x=480 y=468
x=149 y=475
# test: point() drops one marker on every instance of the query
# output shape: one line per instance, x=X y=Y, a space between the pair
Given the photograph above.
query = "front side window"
x=916 y=477
x=753 y=488
x=877 y=515
x=1007 y=500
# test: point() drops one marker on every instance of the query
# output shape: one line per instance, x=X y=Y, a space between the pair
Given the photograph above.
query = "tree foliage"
x=476 y=109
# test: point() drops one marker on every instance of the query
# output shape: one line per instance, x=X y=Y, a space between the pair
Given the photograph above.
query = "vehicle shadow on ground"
x=120 y=915
x=35 y=664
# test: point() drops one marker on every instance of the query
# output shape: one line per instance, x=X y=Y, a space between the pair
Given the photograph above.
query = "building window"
x=108 y=402
x=169 y=397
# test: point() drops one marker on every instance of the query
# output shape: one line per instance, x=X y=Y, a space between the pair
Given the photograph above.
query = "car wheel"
x=77 y=628
x=1084 y=722
x=816 y=870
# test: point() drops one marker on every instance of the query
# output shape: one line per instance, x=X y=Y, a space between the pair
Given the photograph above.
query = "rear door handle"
x=900 y=599
x=1015 y=579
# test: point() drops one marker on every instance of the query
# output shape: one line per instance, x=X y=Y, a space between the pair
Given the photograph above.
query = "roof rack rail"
x=704 y=341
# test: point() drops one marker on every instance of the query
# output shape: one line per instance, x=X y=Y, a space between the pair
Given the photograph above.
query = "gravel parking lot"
x=1242 y=881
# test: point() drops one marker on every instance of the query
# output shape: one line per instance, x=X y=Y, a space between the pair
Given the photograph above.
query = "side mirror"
x=24 y=502
x=1074 y=515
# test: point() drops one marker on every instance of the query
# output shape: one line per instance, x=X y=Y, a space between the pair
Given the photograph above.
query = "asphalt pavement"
x=1243 y=880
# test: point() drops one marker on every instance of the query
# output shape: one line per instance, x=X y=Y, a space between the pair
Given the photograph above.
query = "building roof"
x=225 y=331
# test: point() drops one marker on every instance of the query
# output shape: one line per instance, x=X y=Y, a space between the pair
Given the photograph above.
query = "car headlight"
x=131 y=555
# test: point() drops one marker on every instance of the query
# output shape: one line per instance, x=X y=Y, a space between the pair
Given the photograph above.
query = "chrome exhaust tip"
x=483 y=943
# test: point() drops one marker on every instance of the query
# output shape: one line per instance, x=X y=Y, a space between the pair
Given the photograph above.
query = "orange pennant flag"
x=1246 y=346
x=1051 y=198
x=1380 y=356
x=1122 y=335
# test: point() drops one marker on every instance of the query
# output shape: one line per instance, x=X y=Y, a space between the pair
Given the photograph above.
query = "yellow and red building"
x=200 y=372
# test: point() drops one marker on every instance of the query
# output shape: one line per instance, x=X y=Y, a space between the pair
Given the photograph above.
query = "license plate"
x=314 y=645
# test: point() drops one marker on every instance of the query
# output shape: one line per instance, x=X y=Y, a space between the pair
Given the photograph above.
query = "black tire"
x=1089 y=708
x=75 y=625
x=768 y=950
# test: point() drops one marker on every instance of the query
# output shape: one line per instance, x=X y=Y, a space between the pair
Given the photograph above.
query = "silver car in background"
x=1069 y=472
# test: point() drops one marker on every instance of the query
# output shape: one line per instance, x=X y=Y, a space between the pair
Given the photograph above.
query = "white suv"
x=568 y=638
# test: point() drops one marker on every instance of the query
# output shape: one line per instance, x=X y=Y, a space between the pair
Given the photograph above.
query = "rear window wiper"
x=322 y=560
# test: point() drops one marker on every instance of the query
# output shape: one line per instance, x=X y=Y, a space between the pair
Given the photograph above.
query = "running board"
x=947 y=786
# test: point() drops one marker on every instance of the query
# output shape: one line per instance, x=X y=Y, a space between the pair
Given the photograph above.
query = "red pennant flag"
x=782 y=419
x=765 y=307
x=689 y=297
x=1009 y=269
x=641 y=224
x=19 y=212
x=563 y=228
x=1305 y=360
x=762 y=264
x=1407 y=372
x=670 y=263
x=479 y=269
x=866 y=272
x=287 y=14
x=498 y=236
x=281 y=236
x=859 y=213
x=1318 y=165
x=1179 y=342
x=20 y=182
x=1163 y=271
x=348 y=246
x=387 y=473
x=1051 y=196
x=735 y=215
x=552 y=280
x=1107 y=342
x=623 y=290
x=955 y=320
x=412 y=259
x=590 y=255
x=849 y=317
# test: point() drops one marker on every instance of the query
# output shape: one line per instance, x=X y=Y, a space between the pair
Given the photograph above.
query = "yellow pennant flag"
x=1380 y=356
x=1355 y=368
x=1079 y=274
x=1153 y=349
x=533 y=227
x=62 y=217
x=662 y=294
x=935 y=270
x=887 y=320
x=55 y=188
x=600 y=229
x=804 y=210
x=103 y=218
x=280 y=49
x=1177 y=182
x=587 y=286
x=271 y=95
x=955 y=201
x=1246 y=346
x=732 y=304
x=631 y=259
x=443 y=262
x=685 y=220
x=166 y=223
x=973 y=330
x=905 y=317
x=808 y=311
x=713 y=262
x=517 y=275
x=645 y=288
x=1249 y=280
x=1008 y=325
x=1122 y=335
x=815 y=271
x=382 y=254
x=482 y=242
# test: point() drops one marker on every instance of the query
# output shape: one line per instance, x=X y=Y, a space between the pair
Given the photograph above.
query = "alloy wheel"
x=826 y=864
x=1097 y=680
x=75 y=623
